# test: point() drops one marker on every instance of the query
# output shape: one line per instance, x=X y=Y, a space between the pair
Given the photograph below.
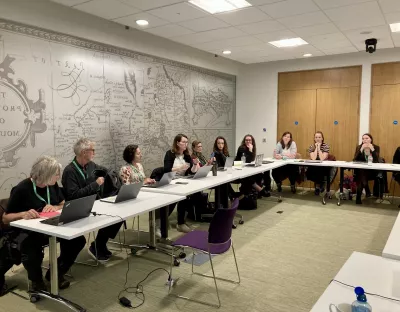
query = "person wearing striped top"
x=319 y=150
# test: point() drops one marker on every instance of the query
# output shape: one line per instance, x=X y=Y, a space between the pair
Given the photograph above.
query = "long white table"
x=375 y=274
x=145 y=202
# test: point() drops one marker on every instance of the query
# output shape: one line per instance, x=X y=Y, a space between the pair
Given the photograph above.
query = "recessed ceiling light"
x=307 y=55
x=395 y=27
x=218 y=6
x=142 y=22
x=226 y=52
x=286 y=43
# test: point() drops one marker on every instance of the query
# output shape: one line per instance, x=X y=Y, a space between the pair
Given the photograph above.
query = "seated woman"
x=363 y=151
x=40 y=193
x=197 y=148
x=178 y=160
x=319 y=150
x=248 y=149
x=133 y=172
x=286 y=148
x=396 y=160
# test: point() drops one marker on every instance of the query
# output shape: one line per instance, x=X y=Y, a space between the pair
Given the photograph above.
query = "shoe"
x=38 y=286
x=62 y=282
x=107 y=252
x=293 y=189
x=158 y=232
x=358 y=198
x=317 y=191
x=183 y=228
x=279 y=186
x=101 y=257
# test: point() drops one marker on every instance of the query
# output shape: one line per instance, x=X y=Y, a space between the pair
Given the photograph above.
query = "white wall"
x=257 y=91
x=53 y=16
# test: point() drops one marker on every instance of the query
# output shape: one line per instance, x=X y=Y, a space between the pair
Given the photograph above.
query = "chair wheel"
x=134 y=251
x=234 y=226
x=176 y=262
x=182 y=255
x=34 y=298
x=241 y=221
x=279 y=200
x=338 y=204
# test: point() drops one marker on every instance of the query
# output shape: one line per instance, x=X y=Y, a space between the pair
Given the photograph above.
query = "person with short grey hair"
x=79 y=180
x=40 y=193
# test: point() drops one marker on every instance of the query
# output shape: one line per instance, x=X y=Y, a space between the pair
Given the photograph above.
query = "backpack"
x=112 y=182
x=248 y=202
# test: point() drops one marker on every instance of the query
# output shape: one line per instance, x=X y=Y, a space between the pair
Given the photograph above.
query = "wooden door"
x=296 y=113
x=385 y=121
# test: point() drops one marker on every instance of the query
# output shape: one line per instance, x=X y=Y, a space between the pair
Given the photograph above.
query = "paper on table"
x=49 y=214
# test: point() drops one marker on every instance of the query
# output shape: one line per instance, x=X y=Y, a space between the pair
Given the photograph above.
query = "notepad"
x=49 y=214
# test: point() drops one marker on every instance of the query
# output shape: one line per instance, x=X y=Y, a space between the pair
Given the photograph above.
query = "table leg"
x=152 y=228
x=328 y=186
x=341 y=185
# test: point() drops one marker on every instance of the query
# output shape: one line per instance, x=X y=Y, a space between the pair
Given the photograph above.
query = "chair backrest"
x=331 y=157
x=220 y=229
x=3 y=207
x=157 y=173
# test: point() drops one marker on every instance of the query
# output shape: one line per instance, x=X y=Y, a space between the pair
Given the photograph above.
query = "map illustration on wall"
x=56 y=88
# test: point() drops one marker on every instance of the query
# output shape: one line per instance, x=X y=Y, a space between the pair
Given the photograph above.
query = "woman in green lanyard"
x=40 y=193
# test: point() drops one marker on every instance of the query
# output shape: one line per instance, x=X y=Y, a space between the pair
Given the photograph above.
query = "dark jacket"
x=75 y=186
x=250 y=156
x=170 y=158
x=220 y=158
x=396 y=156
x=360 y=156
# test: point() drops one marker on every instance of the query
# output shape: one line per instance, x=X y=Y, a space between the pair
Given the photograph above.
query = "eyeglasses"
x=199 y=146
x=248 y=140
x=184 y=142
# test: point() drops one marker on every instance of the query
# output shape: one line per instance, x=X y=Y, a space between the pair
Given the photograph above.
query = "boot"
x=358 y=197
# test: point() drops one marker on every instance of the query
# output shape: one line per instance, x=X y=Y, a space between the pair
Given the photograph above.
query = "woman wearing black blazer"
x=363 y=151
x=178 y=160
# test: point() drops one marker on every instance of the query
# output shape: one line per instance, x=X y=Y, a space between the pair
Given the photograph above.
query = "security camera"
x=127 y=27
x=370 y=45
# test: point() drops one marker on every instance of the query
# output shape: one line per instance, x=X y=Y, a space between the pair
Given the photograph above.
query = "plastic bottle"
x=243 y=159
x=361 y=304
x=214 y=168
x=370 y=159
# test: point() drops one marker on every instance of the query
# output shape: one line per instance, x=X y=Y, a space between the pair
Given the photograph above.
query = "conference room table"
x=113 y=213
x=375 y=274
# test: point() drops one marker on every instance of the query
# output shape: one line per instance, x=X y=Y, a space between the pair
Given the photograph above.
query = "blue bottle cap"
x=360 y=294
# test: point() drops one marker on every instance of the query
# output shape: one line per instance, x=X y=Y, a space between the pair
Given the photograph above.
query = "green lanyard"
x=80 y=170
x=40 y=197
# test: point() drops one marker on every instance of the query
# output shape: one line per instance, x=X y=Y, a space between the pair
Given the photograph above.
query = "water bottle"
x=361 y=304
x=214 y=168
x=243 y=159
x=370 y=159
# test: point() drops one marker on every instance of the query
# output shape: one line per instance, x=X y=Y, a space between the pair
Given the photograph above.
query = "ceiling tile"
x=289 y=8
x=392 y=17
x=340 y=50
x=130 y=20
x=396 y=39
x=259 y=47
x=261 y=2
x=303 y=20
x=227 y=43
x=168 y=31
x=273 y=58
x=276 y=35
x=69 y=2
x=315 y=30
x=349 y=17
x=382 y=33
x=108 y=9
x=261 y=27
x=211 y=35
x=329 y=41
x=149 y=4
x=329 y=4
x=389 y=6
x=204 y=24
x=178 y=12
x=243 y=16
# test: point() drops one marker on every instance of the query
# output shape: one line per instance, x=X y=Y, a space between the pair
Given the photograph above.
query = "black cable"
x=368 y=293
x=138 y=289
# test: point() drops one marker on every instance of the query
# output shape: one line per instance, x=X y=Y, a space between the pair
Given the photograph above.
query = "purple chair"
x=214 y=242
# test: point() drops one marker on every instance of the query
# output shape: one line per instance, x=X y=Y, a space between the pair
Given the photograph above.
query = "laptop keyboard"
x=51 y=221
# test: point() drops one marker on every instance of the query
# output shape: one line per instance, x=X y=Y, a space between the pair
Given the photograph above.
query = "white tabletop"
x=197 y=185
x=375 y=274
x=392 y=247
x=145 y=202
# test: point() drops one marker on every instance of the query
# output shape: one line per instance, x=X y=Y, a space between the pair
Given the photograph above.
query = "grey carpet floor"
x=287 y=254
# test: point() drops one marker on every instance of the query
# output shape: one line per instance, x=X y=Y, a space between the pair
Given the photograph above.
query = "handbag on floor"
x=248 y=202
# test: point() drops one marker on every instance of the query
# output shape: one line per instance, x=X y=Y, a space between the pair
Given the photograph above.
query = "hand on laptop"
x=30 y=214
x=49 y=208
x=149 y=181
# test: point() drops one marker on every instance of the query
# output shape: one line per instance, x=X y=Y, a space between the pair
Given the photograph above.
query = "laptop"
x=72 y=211
x=257 y=162
x=201 y=173
x=266 y=162
x=228 y=164
x=313 y=161
x=165 y=179
x=126 y=192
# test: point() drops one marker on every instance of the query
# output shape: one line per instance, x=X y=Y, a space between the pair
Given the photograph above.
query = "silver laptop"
x=165 y=179
x=72 y=211
x=126 y=192
x=257 y=162
x=228 y=164
x=201 y=173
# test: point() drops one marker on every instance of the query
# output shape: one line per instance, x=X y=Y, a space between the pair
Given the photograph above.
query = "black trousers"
x=104 y=234
x=288 y=171
x=5 y=264
x=261 y=179
x=32 y=254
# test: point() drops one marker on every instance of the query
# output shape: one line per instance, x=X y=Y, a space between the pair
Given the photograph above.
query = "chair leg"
x=215 y=279
x=192 y=260
x=170 y=271
x=96 y=264
x=237 y=267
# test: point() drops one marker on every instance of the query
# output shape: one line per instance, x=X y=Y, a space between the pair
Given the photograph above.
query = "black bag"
x=112 y=182
x=248 y=202
x=199 y=206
